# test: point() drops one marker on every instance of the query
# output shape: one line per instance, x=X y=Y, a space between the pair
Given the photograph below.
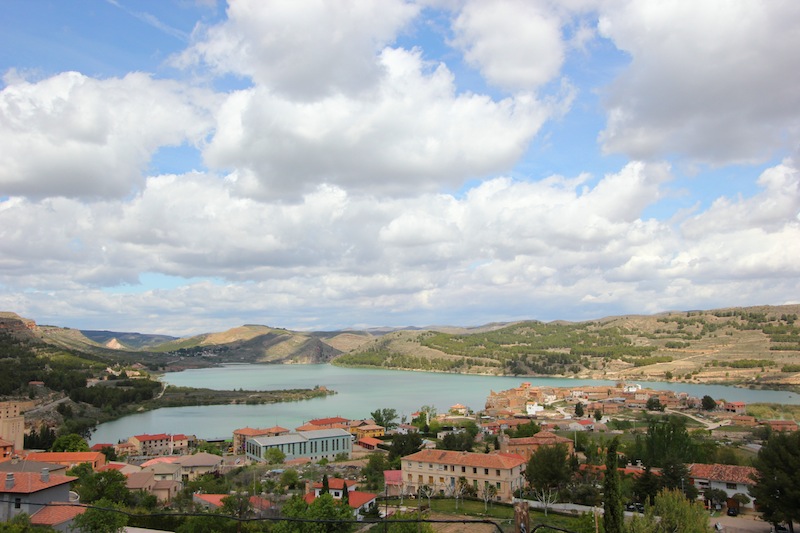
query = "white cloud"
x=516 y=44
x=70 y=135
x=412 y=134
x=505 y=249
x=302 y=50
x=715 y=81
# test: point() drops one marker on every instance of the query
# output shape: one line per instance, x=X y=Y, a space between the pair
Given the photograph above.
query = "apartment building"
x=314 y=445
x=442 y=469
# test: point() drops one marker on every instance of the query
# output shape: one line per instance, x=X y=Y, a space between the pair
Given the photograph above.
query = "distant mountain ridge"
x=720 y=345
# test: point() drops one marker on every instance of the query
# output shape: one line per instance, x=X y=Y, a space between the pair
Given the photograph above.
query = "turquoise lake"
x=358 y=392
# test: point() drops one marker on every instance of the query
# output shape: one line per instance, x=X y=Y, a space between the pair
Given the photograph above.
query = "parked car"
x=733 y=511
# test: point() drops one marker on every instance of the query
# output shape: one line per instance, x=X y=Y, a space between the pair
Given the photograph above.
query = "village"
x=492 y=466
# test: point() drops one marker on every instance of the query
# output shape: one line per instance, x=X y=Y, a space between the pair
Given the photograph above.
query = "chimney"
x=9 y=480
x=45 y=475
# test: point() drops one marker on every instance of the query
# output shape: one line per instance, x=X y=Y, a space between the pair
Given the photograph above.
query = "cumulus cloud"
x=75 y=136
x=505 y=249
x=714 y=81
x=516 y=44
x=413 y=134
x=302 y=50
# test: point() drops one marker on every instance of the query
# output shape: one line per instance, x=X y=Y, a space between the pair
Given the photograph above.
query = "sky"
x=179 y=166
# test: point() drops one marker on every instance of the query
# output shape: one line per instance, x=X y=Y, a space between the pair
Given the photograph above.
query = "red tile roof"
x=99 y=447
x=480 y=460
x=213 y=499
x=393 y=477
x=30 y=482
x=56 y=513
x=355 y=499
x=724 y=473
x=146 y=437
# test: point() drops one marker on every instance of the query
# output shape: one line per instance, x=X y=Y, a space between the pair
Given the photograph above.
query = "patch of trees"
x=646 y=361
x=114 y=397
x=744 y=363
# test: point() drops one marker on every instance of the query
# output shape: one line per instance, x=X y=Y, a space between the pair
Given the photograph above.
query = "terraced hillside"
x=759 y=345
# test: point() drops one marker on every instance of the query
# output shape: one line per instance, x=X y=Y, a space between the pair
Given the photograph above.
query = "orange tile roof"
x=56 y=513
x=480 y=460
x=725 y=473
x=328 y=421
x=541 y=438
x=63 y=457
x=370 y=441
x=356 y=499
x=30 y=482
x=99 y=447
x=213 y=499
x=254 y=432
x=156 y=460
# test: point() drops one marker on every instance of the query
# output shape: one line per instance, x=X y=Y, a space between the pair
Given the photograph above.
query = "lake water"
x=359 y=392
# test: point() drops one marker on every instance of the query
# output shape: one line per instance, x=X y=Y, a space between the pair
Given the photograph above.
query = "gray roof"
x=31 y=466
x=300 y=436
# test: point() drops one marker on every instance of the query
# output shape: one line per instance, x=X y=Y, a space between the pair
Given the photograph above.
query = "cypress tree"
x=613 y=515
x=326 y=488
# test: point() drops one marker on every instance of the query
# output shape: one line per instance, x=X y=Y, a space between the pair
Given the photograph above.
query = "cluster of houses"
x=529 y=401
x=161 y=464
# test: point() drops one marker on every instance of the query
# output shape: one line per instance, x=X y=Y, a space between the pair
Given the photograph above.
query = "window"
x=497 y=473
x=474 y=470
x=486 y=471
x=17 y=503
x=463 y=468
x=430 y=480
x=497 y=486
x=731 y=486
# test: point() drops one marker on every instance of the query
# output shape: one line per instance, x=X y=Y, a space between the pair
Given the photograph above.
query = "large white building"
x=314 y=445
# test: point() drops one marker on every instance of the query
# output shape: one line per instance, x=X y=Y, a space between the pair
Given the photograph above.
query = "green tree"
x=708 y=403
x=403 y=445
x=326 y=488
x=108 y=485
x=373 y=471
x=646 y=486
x=290 y=478
x=103 y=517
x=675 y=476
x=671 y=512
x=613 y=515
x=598 y=415
x=715 y=496
x=238 y=505
x=579 y=410
x=548 y=467
x=332 y=515
x=654 y=404
x=777 y=488
x=71 y=442
x=274 y=456
x=385 y=417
